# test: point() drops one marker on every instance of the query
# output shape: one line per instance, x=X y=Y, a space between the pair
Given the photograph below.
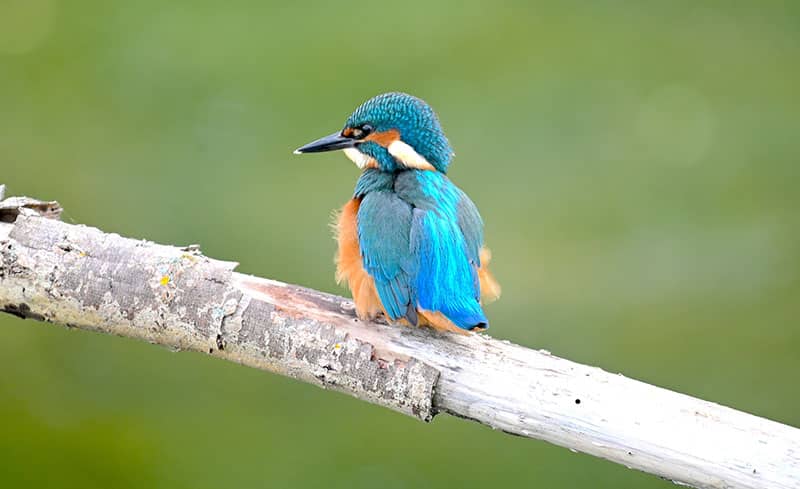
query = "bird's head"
x=390 y=132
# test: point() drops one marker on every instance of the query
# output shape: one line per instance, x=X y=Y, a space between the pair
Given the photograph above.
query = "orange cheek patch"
x=347 y=132
x=384 y=138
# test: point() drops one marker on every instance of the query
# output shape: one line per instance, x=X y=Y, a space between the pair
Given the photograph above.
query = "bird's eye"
x=361 y=131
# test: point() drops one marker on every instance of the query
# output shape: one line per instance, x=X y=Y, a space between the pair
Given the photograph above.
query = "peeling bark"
x=177 y=297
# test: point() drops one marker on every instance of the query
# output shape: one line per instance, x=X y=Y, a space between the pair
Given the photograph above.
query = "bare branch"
x=176 y=297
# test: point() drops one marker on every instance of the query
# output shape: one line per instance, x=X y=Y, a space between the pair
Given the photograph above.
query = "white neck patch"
x=360 y=159
x=408 y=156
x=400 y=150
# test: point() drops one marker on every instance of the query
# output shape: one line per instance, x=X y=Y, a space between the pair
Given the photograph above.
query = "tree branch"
x=176 y=297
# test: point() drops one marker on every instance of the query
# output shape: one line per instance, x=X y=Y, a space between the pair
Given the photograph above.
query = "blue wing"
x=384 y=231
x=447 y=234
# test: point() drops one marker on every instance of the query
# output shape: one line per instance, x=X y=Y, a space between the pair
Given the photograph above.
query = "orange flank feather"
x=490 y=289
x=384 y=138
x=349 y=266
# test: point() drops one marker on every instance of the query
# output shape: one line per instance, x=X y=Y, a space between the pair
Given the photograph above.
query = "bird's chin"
x=360 y=159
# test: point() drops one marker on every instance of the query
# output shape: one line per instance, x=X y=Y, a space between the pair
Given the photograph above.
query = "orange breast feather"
x=350 y=268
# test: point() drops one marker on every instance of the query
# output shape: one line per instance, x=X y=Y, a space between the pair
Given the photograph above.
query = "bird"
x=410 y=242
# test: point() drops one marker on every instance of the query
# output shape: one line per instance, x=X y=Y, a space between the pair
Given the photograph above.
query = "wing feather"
x=384 y=229
x=446 y=237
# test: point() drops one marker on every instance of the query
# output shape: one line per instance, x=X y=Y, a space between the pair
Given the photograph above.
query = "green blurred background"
x=636 y=165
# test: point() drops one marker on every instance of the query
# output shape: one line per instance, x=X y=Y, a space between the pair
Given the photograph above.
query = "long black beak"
x=328 y=143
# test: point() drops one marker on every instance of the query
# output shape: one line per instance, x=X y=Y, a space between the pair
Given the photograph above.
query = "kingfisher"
x=410 y=243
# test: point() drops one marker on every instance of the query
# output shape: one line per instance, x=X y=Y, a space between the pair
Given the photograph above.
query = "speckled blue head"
x=391 y=132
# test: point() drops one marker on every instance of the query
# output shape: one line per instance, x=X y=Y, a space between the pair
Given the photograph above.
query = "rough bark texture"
x=176 y=297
